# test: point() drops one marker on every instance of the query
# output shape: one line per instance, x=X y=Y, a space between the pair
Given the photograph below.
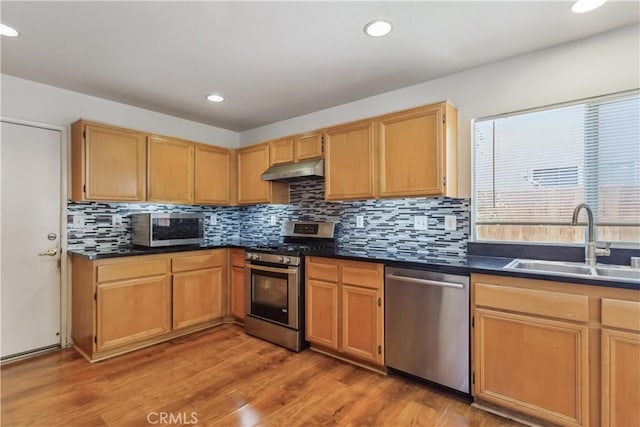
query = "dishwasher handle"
x=417 y=281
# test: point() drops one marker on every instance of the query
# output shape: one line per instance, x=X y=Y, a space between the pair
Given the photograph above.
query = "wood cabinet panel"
x=108 y=163
x=621 y=314
x=322 y=313
x=309 y=146
x=214 y=175
x=132 y=269
x=325 y=271
x=211 y=259
x=350 y=171
x=411 y=152
x=364 y=275
x=535 y=366
x=237 y=257
x=281 y=151
x=620 y=378
x=362 y=324
x=238 y=302
x=132 y=310
x=252 y=162
x=543 y=303
x=197 y=296
x=170 y=170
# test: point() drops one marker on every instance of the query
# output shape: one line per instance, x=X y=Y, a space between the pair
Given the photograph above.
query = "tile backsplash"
x=388 y=223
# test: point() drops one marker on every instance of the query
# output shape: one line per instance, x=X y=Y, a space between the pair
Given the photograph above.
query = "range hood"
x=288 y=172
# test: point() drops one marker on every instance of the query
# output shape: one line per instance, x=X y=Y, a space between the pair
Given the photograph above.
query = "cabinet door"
x=322 y=313
x=170 y=170
x=281 y=151
x=237 y=292
x=309 y=146
x=197 y=297
x=362 y=323
x=411 y=153
x=213 y=169
x=115 y=164
x=349 y=162
x=132 y=310
x=252 y=162
x=535 y=366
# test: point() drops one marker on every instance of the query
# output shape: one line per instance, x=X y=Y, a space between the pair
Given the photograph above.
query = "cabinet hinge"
x=473 y=321
x=95 y=296
x=379 y=349
x=473 y=378
x=84 y=134
x=95 y=339
x=444 y=118
x=379 y=302
x=322 y=144
x=444 y=181
x=84 y=188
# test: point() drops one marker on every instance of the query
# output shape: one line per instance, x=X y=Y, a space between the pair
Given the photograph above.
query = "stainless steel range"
x=275 y=282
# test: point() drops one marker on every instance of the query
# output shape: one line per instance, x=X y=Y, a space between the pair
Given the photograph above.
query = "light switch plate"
x=359 y=221
x=213 y=219
x=450 y=222
x=116 y=220
x=421 y=223
x=273 y=220
x=78 y=220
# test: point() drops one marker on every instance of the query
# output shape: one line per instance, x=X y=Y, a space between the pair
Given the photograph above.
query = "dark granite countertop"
x=461 y=265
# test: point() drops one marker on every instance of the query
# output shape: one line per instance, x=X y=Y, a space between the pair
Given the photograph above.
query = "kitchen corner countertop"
x=460 y=265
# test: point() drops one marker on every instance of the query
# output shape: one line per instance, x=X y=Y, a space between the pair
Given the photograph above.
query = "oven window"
x=176 y=228
x=269 y=296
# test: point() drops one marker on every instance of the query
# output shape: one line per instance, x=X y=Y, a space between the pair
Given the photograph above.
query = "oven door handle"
x=289 y=270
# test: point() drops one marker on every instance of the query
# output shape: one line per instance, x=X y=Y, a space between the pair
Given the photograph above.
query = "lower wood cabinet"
x=545 y=349
x=122 y=304
x=344 y=308
x=237 y=280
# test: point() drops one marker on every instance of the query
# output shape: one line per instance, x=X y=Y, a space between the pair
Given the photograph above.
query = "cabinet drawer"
x=326 y=272
x=197 y=262
x=237 y=257
x=543 y=303
x=131 y=270
x=621 y=314
x=367 y=277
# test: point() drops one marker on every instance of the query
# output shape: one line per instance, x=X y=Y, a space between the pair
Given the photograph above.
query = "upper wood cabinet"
x=169 y=170
x=417 y=152
x=214 y=175
x=107 y=163
x=252 y=162
x=350 y=169
x=309 y=146
x=281 y=151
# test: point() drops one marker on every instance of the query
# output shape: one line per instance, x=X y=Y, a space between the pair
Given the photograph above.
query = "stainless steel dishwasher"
x=427 y=325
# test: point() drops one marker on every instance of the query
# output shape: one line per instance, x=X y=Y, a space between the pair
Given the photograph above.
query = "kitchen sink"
x=576 y=269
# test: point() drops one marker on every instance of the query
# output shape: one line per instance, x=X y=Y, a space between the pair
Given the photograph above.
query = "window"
x=532 y=168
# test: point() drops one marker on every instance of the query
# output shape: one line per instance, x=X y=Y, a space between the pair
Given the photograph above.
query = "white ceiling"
x=274 y=60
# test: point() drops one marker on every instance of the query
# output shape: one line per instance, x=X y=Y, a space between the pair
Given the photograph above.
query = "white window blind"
x=532 y=168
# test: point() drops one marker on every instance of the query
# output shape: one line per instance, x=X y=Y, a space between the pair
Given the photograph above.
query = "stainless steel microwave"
x=167 y=229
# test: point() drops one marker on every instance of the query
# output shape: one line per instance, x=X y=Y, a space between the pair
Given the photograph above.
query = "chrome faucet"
x=590 y=250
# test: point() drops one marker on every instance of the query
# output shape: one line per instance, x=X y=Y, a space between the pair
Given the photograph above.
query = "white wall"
x=601 y=64
x=28 y=100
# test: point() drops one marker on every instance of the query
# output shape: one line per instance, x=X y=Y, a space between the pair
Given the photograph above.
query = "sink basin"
x=576 y=269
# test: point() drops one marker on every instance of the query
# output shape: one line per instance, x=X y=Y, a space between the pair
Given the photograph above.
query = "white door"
x=30 y=297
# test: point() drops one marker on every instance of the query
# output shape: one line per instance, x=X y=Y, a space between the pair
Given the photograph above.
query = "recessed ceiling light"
x=378 y=28
x=214 y=97
x=582 y=6
x=6 y=30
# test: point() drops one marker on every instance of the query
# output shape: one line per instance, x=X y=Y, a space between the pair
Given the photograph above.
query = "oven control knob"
x=256 y=256
x=286 y=260
x=281 y=259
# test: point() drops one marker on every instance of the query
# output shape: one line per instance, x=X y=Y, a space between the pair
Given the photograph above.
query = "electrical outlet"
x=450 y=223
x=213 y=219
x=273 y=220
x=359 y=221
x=421 y=223
x=116 y=220
x=78 y=220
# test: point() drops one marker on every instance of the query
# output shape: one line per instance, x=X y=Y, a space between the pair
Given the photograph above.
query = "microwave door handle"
x=270 y=269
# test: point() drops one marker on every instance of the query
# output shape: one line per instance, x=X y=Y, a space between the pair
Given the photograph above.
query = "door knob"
x=50 y=252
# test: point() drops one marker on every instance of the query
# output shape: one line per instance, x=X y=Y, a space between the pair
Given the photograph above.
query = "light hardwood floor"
x=225 y=378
